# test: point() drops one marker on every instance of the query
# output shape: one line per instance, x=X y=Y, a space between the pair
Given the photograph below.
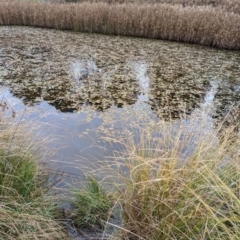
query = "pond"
x=79 y=86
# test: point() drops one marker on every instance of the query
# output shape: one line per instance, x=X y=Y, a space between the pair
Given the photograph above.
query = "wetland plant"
x=207 y=24
x=91 y=206
x=28 y=206
x=178 y=182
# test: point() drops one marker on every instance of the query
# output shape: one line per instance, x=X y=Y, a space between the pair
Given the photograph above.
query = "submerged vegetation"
x=204 y=24
x=77 y=72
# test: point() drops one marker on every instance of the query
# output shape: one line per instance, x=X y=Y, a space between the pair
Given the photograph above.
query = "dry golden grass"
x=205 y=25
x=176 y=181
x=227 y=5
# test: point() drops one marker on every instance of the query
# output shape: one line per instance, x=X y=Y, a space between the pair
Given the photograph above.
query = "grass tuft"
x=91 y=206
x=175 y=181
x=29 y=208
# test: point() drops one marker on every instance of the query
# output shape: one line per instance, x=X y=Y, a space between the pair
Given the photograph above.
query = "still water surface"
x=83 y=88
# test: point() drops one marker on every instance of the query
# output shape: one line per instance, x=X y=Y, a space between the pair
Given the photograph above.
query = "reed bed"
x=205 y=25
x=227 y=5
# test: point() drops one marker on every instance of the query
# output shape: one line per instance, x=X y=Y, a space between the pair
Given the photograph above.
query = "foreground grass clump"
x=28 y=207
x=212 y=26
x=19 y=176
x=92 y=206
x=176 y=181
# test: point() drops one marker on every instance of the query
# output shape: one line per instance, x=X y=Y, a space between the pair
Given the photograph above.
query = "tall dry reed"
x=205 y=25
x=227 y=5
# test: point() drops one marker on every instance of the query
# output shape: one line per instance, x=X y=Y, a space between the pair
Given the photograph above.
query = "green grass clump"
x=19 y=176
x=92 y=206
x=29 y=208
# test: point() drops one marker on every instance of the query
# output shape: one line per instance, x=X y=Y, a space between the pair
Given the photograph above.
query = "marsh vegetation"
x=170 y=180
x=29 y=207
x=71 y=71
x=216 y=25
x=146 y=132
x=176 y=181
